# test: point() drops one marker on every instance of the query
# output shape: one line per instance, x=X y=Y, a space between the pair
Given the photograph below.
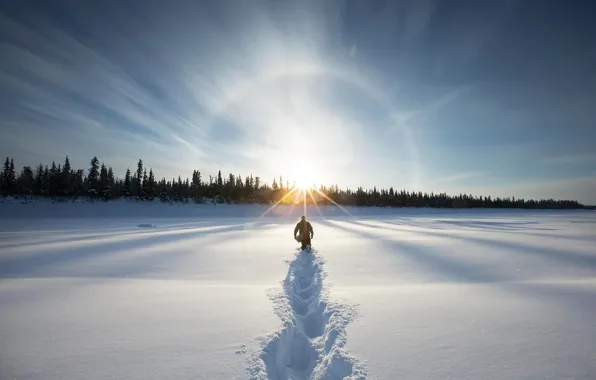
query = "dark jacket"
x=303 y=228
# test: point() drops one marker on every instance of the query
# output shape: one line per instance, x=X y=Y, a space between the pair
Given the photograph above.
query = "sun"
x=303 y=177
x=302 y=183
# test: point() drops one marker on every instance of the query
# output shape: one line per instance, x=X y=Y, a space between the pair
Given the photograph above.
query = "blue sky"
x=459 y=96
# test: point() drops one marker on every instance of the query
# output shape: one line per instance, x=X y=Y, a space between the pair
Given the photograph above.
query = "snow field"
x=398 y=295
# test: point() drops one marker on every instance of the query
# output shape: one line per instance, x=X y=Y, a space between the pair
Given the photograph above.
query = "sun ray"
x=277 y=203
x=315 y=203
x=304 y=201
x=291 y=209
x=332 y=201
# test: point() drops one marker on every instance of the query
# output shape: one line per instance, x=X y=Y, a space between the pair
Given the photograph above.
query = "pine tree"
x=127 y=183
x=54 y=179
x=199 y=184
x=111 y=179
x=93 y=177
x=66 y=182
x=79 y=182
x=38 y=182
x=104 y=183
x=103 y=178
x=25 y=181
x=257 y=190
x=151 y=190
x=66 y=168
x=239 y=189
x=185 y=189
x=146 y=184
x=139 y=178
x=219 y=180
x=195 y=187
x=5 y=174
x=247 y=192
x=46 y=180
x=11 y=180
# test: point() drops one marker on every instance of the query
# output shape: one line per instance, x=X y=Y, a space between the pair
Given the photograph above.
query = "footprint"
x=298 y=350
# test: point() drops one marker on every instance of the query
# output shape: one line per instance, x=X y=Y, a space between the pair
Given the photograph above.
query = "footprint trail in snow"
x=310 y=344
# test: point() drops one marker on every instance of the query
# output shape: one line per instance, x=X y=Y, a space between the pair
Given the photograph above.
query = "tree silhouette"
x=100 y=180
x=127 y=183
x=139 y=179
x=93 y=177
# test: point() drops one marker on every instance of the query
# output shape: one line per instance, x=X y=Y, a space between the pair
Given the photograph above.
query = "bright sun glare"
x=304 y=190
x=303 y=183
x=303 y=178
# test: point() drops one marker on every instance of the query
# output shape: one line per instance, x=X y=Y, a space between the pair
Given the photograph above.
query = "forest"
x=99 y=181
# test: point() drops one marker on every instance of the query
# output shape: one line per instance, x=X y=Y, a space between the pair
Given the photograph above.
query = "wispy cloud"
x=353 y=50
x=571 y=159
x=358 y=93
x=174 y=110
x=62 y=85
x=417 y=20
x=459 y=177
x=415 y=118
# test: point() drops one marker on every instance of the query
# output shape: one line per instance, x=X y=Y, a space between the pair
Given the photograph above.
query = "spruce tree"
x=195 y=186
x=257 y=190
x=151 y=189
x=247 y=191
x=79 y=182
x=231 y=183
x=38 y=187
x=199 y=179
x=66 y=182
x=146 y=184
x=139 y=178
x=93 y=177
x=12 y=180
x=5 y=174
x=26 y=181
x=103 y=178
x=111 y=179
x=127 y=183
x=54 y=179
x=219 y=180
x=46 y=180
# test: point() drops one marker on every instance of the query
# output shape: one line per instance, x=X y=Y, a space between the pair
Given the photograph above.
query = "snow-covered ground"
x=215 y=292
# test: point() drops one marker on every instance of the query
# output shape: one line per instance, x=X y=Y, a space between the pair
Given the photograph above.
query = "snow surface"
x=218 y=292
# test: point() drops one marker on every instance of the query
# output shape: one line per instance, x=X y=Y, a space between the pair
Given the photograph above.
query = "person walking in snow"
x=305 y=233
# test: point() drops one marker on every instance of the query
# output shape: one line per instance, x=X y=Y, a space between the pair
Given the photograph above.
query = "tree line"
x=99 y=181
